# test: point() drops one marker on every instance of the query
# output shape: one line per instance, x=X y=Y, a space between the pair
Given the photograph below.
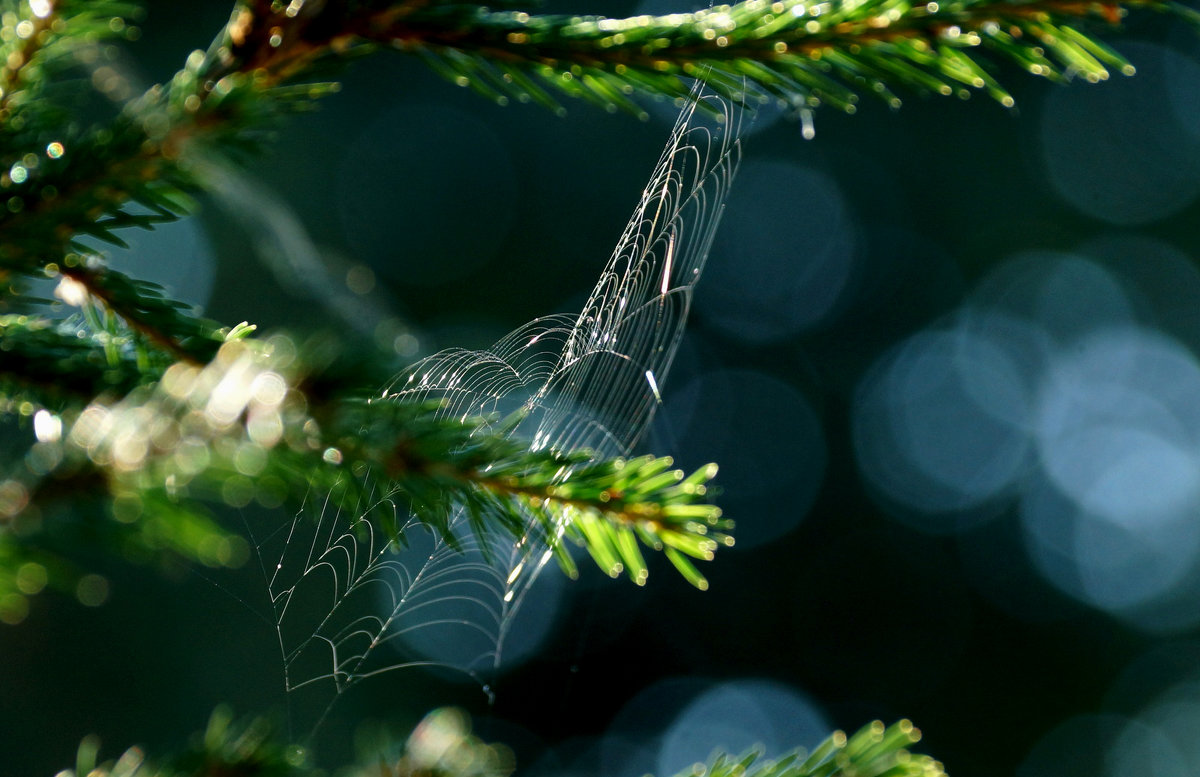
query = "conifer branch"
x=43 y=37
x=872 y=751
x=257 y=424
x=16 y=56
x=51 y=365
x=442 y=745
x=608 y=507
x=148 y=312
x=64 y=183
x=802 y=54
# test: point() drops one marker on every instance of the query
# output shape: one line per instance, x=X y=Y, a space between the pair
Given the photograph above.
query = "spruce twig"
x=801 y=53
x=442 y=745
x=249 y=427
x=66 y=182
x=51 y=364
x=146 y=311
x=42 y=38
x=874 y=750
x=63 y=182
x=21 y=51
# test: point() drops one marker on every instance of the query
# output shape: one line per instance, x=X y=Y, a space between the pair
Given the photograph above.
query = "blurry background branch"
x=66 y=179
x=442 y=745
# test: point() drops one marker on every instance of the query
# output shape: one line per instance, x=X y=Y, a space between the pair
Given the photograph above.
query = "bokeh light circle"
x=1102 y=563
x=783 y=256
x=681 y=721
x=1077 y=747
x=738 y=715
x=769 y=443
x=1118 y=427
x=1089 y=138
x=1175 y=714
x=940 y=422
x=1063 y=296
x=1160 y=281
x=1145 y=751
x=1181 y=73
x=1117 y=431
x=1048 y=387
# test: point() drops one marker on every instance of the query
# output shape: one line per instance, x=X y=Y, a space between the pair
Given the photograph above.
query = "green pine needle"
x=442 y=745
x=797 y=53
x=252 y=427
x=62 y=181
x=872 y=751
x=65 y=180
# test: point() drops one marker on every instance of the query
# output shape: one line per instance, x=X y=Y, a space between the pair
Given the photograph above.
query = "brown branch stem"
x=614 y=507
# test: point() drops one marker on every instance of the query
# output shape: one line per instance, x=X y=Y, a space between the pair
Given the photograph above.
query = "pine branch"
x=226 y=748
x=442 y=745
x=44 y=172
x=873 y=751
x=147 y=311
x=606 y=506
x=258 y=424
x=801 y=54
x=94 y=355
x=45 y=37
x=18 y=53
x=84 y=181
x=64 y=182
x=59 y=364
x=85 y=185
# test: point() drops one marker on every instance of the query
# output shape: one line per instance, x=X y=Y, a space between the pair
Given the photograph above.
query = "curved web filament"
x=587 y=381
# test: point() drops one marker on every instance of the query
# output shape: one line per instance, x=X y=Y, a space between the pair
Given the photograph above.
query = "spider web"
x=349 y=604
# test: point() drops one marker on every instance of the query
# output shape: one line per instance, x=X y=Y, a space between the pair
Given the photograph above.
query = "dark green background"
x=867 y=615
